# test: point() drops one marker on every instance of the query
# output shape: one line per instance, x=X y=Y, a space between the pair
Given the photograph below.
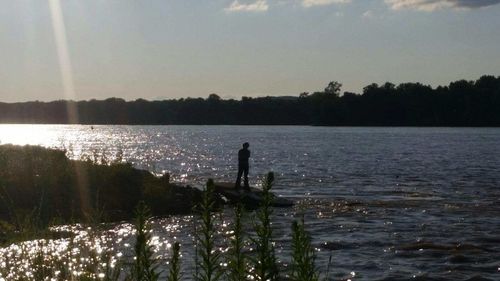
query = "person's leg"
x=245 y=176
x=238 y=179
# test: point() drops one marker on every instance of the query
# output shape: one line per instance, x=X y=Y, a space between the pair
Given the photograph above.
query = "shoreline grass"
x=40 y=187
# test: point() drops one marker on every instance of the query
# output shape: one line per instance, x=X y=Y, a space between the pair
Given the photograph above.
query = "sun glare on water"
x=28 y=134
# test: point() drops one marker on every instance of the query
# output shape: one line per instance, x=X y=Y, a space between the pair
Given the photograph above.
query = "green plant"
x=175 y=264
x=146 y=264
x=237 y=258
x=265 y=263
x=208 y=261
x=303 y=256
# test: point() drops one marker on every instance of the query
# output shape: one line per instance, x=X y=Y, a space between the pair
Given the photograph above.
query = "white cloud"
x=432 y=5
x=420 y=5
x=368 y=14
x=311 y=3
x=257 y=6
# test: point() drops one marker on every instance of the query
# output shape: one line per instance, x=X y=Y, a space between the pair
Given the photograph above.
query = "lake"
x=384 y=203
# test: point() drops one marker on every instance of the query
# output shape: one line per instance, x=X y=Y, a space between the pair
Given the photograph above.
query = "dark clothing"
x=242 y=170
x=243 y=167
x=243 y=156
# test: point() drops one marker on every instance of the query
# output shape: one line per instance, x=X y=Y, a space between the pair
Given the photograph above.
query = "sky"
x=164 y=49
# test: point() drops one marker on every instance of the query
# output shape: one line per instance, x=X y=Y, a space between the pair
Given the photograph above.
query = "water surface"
x=384 y=203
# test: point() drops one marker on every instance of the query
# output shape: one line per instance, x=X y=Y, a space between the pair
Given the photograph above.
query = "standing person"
x=243 y=166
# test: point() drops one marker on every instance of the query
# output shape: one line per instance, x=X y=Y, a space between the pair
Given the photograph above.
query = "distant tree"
x=303 y=95
x=487 y=82
x=214 y=97
x=373 y=87
x=461 y=86
x=333 y=88
x=115 y=100
x=389 y=86
x=349 y=95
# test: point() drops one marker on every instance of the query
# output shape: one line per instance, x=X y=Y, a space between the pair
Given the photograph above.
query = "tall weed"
x=303 y=256
x=237 y=260
x=207 y=257
x=175 y=264
x=146 y=265
x=264 y=263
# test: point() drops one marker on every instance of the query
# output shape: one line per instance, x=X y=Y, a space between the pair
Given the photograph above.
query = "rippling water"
x=384 y=203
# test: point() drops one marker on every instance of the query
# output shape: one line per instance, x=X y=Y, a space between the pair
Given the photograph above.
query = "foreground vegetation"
x=461 y=103
x=41 y=186
x=239 y=263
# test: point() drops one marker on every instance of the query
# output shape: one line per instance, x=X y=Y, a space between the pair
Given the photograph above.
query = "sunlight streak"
x=69 y=94
x=64 y=58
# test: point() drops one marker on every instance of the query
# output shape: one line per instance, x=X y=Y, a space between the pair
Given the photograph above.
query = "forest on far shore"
x=461 y=103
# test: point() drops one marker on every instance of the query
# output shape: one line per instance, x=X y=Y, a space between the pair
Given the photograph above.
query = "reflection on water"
x=63 y=258
x=384 y=203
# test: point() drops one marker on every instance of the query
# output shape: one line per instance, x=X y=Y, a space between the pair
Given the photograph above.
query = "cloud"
x=368 y=14
x=257 y=6
x=312 y=3
x=432 y=5
x=420 y=5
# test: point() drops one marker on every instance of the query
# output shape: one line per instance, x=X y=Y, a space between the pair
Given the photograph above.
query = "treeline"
x=461 y=103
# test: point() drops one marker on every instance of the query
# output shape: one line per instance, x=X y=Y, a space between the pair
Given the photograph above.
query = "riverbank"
x=43 y=186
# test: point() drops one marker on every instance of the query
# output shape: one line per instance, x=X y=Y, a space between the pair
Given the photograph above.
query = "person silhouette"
x=243 y=167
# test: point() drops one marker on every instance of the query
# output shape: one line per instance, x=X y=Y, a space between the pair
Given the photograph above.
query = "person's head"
x=246 y=145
